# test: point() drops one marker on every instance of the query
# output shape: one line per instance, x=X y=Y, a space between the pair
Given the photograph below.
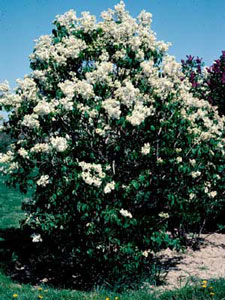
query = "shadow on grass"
x=34 y=263
x=28 y=262
x=19 y=257
x=15 y=250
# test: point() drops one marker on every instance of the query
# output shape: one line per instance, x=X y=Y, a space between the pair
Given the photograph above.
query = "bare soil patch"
x=206 y=263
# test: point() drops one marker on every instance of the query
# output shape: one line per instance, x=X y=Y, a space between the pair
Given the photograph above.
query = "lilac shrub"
x=216 y=83
x=115 y=148
x=207 y=83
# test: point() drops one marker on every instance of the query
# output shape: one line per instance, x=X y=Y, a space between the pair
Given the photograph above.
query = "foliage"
x=113 y=145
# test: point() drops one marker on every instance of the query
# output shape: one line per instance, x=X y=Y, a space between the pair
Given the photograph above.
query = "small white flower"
x=23 y=152
x=206 y=190
x=159 y=160
x=212 y=194
x=192 y=162
x=36 y=238
x=179 y=159
x=43 y=180
x=191 y=196
x=126 y=213
x=195 y=174
x=109 y=187
x=164 y=215
x=145 y=149
x=146 y=253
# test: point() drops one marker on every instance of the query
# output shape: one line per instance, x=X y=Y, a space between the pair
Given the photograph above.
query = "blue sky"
x=194 y=27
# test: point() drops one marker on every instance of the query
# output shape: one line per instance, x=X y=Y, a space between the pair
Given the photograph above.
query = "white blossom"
x=43 y=108
x=31 y=121
x=112 y=108
x=109 y=187
x=40 y=147
x=36 y=238
x=126 y=213
x=92 y=174
x=59 y=143
x=192 y=162
x=179 y=159
x=23 y=152
x=145 y=149
x=195 y=174
x=191 y=196
x=43 y=180
x=212 y=194
x=4 y=86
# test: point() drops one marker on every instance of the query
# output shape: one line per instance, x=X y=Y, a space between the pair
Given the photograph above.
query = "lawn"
x=10 y=214
x=10 y=203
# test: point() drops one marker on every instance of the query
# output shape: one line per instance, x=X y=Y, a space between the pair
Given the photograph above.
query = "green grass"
x=28 y=292
x=10 y=214
x=10 y=206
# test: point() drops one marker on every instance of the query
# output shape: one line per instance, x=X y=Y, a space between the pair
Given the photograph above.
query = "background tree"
x=207 y=83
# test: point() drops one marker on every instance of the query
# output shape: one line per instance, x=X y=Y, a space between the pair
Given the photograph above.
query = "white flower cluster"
x=23 y=152
x=179 y=159
x=40 y=147
x=164 y=215
x=112 y=107
x=148 y=67
x=4 y=86
x=146 y=253
x=92 y=174
x=145 y=149
x=66 y=103
x=36 y=238
x=101 y=74
x=59 y=143
x=195 y=174
x=192 y=162
x=126 y=213
x=88 y=21
x=109 y=187
x=139 y=113
x=43 y=108
x=67 y=19
x=212 y=194
x=44 y=50
x=41 y=49
x=191 y=196
x=127 y=94
x=31 y=121
x=6 y=157
x=43 y=180
x=72 y=47
x=68 y=88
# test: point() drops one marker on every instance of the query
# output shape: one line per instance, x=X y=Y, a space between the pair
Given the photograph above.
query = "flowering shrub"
x=116 y=149
x=208 y=83
x=216 y=83
x=194 y=69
